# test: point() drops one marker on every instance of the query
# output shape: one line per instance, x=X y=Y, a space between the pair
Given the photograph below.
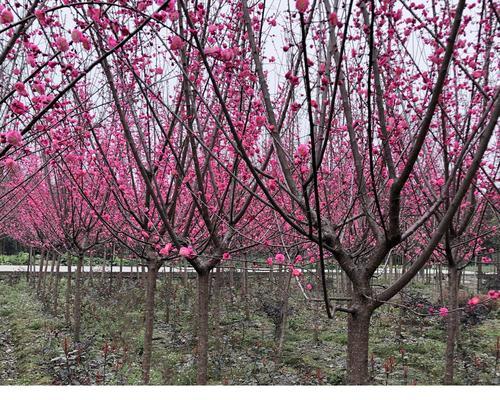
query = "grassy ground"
x=404 y=348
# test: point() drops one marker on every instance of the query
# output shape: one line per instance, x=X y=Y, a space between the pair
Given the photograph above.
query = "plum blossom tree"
x=197 y=130
x=371 y=107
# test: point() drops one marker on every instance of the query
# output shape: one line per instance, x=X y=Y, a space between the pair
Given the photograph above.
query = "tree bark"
x=203 y=301
x=149 y=312
x=67 y=311
x=216 y=309
x=56 y=285
x=358 y=330
x=452 y=324
x=77 y=311
x=39 y=281
x=30 y=255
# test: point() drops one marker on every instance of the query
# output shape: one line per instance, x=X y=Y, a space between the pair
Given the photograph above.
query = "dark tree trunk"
x=30 y=255
x=452 y=324
x=149 y=314
x=203 y=301
x=91 y=269
x=77 y=311
x=244 y=288
x=120 y=275
x=281 y=328
x=44 y=276
x=67 y=310
x=358 y=330
x=39 y=281
x=56 y=285
x=49 y=291
x=216 y=309
x=168 y=292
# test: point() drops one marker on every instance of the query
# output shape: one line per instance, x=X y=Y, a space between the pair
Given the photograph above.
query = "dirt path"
x=8 y=371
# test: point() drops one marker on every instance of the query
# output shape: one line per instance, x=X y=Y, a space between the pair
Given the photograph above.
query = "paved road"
x=95 y=268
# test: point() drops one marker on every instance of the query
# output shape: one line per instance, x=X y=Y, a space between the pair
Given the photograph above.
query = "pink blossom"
x=62 y=43
x=227 y=55
x=333 y=18
x=187 y=252
x=86 y=43
x=21 y=89
x=303 y=150
x=6 y=16
x=443 y=311
x=39 y=87
x=176 y=43
x=14 y=138
x=280 y=257
x=9 y=163
x=309 y=286
x=302 y=5
x=494 y=294
x=440 y=181
x=475 y=300
x=226 y=256
x=269 y=261
x=76 y=36
x=166 y=250
x=212 y=51
x=18 y=108
x=296 y=272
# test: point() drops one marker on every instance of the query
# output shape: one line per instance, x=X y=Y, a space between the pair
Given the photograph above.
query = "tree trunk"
x=67 y=309
x=91 y=269
x=51 y=278
x=244 y=288
x=185 y=285
x=120 y=275
x=77 y=311
x=280 y=334
x=168 y=293
x=216 y=310
x=358 y=330
x=203 y=300
x=452 y=324
x=30 y=255
x=56 y=285
x=39 y=282
x=440 y=283
x=149 y=312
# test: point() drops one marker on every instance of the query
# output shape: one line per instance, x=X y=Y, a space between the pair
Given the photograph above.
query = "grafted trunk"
x=358 y=330
x=149 y=314
x=452 y=324
x=203 y=300
x=77 y=311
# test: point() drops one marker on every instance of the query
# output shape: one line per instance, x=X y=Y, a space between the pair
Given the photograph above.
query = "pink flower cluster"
x=494 y=294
